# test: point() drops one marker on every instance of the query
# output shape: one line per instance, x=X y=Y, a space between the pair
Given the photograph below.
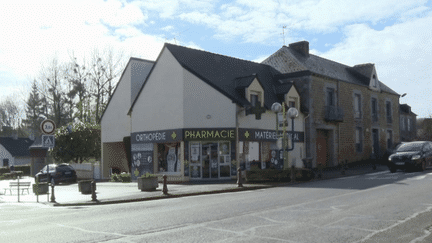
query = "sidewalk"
x=116 y=192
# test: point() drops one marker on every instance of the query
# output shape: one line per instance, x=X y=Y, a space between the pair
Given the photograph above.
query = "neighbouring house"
x=408 y=124
x=424 y=129
x=352 y=115
x=14 y=151
x=198 y=115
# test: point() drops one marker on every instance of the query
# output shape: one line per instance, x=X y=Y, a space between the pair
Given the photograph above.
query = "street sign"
x=48 y=126
x=48 y=141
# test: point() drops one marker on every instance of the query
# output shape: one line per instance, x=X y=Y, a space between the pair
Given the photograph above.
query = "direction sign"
x=48 y=141
x=48 y=126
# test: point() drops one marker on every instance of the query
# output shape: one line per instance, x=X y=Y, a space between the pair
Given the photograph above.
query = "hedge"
x=24 y=168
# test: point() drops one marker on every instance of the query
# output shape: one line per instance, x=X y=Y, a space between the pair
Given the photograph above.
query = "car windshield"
x=407 y=147
x=51 y=168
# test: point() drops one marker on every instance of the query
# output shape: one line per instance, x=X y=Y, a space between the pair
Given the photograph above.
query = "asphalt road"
x=377 y=207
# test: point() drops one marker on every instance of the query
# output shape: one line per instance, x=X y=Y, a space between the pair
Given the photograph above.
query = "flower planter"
x=85 y=187
x=148 y=184
x=41 y=188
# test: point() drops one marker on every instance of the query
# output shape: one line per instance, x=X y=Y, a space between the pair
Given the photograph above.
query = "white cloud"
x=401 y=54
x=168 y=28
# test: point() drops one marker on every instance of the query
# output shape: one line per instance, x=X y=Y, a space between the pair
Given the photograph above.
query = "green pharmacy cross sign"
x=257 y=110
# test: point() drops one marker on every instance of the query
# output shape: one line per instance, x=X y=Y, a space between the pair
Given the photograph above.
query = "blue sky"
x=396 y=37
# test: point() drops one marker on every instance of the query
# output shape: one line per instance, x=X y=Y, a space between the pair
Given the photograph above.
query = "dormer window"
x=255 y=98
x=374 y=81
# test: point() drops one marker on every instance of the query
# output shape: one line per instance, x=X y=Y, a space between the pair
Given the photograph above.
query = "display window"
x=169 y=157
x=210 y=160
x=262 y=155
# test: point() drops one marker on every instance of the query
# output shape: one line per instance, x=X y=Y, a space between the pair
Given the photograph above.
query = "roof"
x=225 y=74
x=288 y=60
x=17 y=147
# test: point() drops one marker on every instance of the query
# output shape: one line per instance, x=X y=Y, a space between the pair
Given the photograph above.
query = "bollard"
x=239 y=180
x=52 y=193
x=93 y=190
x=165 y=188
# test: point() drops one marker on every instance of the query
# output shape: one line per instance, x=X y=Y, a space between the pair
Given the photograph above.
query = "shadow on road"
x=366 y=181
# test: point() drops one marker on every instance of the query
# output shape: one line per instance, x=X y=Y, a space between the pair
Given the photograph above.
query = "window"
x=402 y=123
x=389 y=139
x=374 y=81
x=291 y=104
x=357 y=106
x=388 y=112
x=374 y=107
x=254 y=99
x=168 y=157
x=330 y=97
x=358 y=139
x=409 y=124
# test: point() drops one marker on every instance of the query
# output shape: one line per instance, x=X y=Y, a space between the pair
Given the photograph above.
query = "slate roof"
x=221 y=72
x=225 y=74
x=18 y=147
x=288 y=60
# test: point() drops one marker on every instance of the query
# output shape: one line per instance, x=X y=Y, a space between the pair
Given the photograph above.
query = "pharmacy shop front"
x=185 y=154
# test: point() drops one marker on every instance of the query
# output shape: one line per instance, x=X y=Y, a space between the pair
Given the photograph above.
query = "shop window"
x=169 y=157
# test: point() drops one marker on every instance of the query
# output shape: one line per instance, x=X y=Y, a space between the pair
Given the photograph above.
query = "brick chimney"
x=301 y=47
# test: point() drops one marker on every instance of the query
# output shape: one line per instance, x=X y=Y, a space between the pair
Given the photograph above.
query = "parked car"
x=391 y=151
x=59 y=173
x=412 y=155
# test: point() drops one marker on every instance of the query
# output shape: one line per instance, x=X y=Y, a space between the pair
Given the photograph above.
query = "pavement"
x=118 y=192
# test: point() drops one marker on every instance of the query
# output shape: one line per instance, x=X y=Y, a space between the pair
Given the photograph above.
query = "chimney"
x=301 y=47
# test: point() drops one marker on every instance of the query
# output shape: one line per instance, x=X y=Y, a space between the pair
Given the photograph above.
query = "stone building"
x=408 y=124
x=351 y=115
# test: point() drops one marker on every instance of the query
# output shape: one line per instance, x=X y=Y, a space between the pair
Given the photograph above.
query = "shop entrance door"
x=210 y=163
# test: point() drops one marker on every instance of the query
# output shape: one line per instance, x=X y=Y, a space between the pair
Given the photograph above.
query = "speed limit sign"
x=48 y=126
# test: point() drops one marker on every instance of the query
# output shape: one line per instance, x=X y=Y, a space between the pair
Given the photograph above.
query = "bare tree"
x=53 y=87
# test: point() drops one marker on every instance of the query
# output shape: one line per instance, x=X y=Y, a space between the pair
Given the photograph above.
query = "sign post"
x=48 y=127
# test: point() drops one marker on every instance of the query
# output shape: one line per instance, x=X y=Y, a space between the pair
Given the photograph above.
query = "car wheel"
x=392 y=169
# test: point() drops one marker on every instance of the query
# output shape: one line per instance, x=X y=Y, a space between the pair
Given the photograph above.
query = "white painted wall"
x=115 y=123
x=4 y=154
x=201 y=100
x=160 y=104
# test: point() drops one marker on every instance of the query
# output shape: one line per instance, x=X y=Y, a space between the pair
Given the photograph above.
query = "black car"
x=59 y=173
x=412 y=155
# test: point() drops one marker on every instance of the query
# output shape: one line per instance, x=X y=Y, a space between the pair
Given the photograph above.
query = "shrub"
x=269 y=175
x=115 y=178
x=123 y=177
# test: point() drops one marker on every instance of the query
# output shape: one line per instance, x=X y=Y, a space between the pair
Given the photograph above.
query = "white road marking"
x=394 y=225
x=378 y=173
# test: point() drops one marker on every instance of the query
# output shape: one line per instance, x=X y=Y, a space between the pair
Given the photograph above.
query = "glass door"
x=195 y=160
x=209 y=160
x=224 y=160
